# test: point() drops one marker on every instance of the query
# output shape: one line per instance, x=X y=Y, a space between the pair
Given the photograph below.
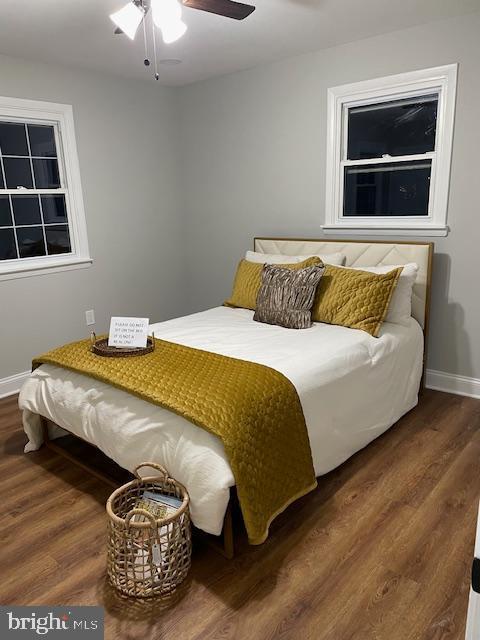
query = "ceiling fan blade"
x=227 y=8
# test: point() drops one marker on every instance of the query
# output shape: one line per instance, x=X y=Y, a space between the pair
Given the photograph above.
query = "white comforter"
x=352 y=388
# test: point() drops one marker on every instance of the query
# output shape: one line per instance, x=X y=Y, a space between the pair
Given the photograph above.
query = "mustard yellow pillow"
x=248 y=280
x=354 y=298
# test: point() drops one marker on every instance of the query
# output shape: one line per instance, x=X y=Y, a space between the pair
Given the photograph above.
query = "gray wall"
x=253 y=163
x=178 y=181
x=127 y=144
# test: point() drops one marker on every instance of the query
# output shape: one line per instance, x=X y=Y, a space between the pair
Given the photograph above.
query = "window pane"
x=5 y=215
x=8 y=250
x=2 y=184
x=54 y=209
x=46 y=174
x=58 y=239
x=392 y=189
x=26 y=210
x=30 y=242
x=18 y=173
x=42 y=140
x=13 y=140
x=400 y=127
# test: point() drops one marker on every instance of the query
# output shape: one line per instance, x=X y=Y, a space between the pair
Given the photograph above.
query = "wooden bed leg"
x=227 y=534
x=225 y=543
x=44 y=423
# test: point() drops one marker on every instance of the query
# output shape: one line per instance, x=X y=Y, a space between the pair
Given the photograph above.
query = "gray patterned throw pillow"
x=286 y=297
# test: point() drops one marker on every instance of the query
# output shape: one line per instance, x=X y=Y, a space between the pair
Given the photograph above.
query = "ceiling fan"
x=167 y=16
x=227 y=8
x=136 y=10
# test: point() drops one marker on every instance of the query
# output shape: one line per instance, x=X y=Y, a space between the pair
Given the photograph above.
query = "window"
x=42 y=222
x=388 y=154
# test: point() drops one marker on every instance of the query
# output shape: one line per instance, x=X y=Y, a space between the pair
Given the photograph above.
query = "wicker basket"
x=148 y=556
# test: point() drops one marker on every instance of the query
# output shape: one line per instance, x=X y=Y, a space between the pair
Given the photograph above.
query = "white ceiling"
x=78 y=33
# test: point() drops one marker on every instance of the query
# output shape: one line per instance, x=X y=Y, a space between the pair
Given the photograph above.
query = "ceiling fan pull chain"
x=155 y=51
x=146 y=61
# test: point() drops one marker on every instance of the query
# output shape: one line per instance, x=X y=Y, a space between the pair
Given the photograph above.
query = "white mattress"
x=352 y=388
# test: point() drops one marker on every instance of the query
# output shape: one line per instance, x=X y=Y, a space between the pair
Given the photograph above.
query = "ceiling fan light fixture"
x=128 y=19
x=167 y=15
x=173 y=31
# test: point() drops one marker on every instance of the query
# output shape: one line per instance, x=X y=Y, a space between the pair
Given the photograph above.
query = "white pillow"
x=400 y=308
x=337 y=259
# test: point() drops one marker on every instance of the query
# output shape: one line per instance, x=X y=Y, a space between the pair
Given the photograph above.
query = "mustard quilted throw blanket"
x=254 y=410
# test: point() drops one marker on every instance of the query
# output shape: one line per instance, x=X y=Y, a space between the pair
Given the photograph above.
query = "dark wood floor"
x=380 y=551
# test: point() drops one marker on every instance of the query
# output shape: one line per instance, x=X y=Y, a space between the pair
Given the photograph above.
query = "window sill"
x=37 y=268
x=382 y=230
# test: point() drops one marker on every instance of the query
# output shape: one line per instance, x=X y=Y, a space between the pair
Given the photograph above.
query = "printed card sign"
x=128 y=332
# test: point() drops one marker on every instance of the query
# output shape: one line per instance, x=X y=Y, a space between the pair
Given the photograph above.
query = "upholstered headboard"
x=367 y=254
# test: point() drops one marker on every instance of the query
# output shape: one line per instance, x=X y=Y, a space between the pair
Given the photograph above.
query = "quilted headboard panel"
x=367 y=254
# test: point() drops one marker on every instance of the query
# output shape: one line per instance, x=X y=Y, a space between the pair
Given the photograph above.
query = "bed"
x=352 y=387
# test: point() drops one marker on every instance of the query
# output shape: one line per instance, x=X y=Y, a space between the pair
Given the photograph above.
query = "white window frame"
x=61 y=117
x=441 y=80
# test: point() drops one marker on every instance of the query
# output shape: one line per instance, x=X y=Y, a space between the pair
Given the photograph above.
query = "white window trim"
x=62 y=116
x=439 y=79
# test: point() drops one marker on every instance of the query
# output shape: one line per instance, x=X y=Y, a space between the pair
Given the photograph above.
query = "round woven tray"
x=101 y=348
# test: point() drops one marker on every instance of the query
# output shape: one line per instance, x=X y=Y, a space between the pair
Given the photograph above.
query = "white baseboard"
x=452 y=383
x=438 y=380
x=12 y=384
